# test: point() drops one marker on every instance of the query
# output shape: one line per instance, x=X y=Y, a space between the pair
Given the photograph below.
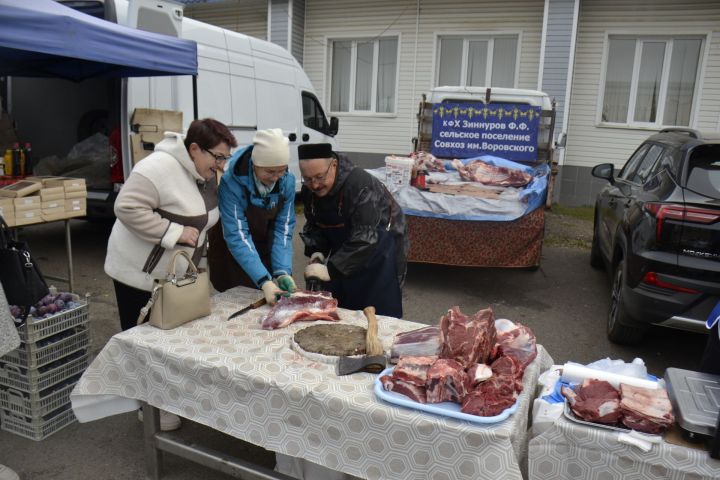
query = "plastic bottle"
x=27 y=164
x=8 y=160
x=16 y=160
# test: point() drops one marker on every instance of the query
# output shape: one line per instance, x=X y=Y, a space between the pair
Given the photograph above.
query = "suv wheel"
x=596 y=260
x=620 y=328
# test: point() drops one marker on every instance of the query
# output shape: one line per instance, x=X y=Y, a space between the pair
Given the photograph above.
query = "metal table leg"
x=153 y=455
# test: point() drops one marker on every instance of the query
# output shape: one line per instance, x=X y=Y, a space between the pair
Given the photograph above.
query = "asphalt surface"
x=564 y=302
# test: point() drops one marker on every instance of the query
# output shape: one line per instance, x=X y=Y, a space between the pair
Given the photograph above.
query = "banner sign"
x=464 y=130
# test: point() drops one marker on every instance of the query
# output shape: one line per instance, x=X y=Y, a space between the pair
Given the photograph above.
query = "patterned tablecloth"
x=247 y=382
x=571 y=451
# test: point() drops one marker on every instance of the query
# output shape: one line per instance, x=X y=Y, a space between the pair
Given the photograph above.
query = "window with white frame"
x=477 y=61
x=651 y=80
x=363 y=75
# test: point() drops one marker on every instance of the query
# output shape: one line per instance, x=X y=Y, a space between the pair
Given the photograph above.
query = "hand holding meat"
x=317 y=271
x=317 y=257
x=189 y=236
x=271 y=292
x=286 y=283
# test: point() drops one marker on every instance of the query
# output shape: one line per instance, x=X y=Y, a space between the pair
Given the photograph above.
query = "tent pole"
x=195 y=100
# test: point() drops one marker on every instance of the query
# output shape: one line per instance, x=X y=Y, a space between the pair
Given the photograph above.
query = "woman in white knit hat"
x=257 y=212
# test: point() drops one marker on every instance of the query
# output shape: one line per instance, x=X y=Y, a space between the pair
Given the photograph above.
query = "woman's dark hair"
x=208 y=133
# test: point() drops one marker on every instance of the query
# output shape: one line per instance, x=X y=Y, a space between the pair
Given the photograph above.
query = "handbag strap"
x=146 y=309
x=191 y=265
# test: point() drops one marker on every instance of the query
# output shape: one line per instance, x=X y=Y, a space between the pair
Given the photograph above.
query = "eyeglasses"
x=318 y=178
x=219 y=157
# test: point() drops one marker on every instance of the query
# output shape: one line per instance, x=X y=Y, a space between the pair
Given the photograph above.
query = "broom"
x=373 y=345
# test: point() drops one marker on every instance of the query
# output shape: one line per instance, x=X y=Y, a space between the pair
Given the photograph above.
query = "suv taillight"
x=675 y=211
x=651 y=278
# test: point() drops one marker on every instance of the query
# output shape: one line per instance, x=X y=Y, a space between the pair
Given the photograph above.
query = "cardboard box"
x=66 y=183
x=75 y=204
x=10 y=220
x=76 y=194
x=7 y=207
x=149 y=127
x=53 y=210
x=26 y=217
x=52 y=193
x=51 y=217
x=27 y=203
x=53 y=204
x=75 y=213
x=20 y=189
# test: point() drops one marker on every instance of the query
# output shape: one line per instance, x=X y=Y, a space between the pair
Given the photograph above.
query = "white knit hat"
x=270 y=148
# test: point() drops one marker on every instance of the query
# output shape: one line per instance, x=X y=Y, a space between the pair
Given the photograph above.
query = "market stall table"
x=572 y=451
x=247 y=382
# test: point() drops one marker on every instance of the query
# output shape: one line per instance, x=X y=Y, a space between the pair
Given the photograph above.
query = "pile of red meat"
x=471 y=363
x=642 y=409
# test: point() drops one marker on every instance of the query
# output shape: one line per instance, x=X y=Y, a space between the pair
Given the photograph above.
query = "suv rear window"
x=704 y=171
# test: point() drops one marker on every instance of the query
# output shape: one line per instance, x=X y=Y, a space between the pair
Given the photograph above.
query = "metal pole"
x=68 y=248
x=195 y=99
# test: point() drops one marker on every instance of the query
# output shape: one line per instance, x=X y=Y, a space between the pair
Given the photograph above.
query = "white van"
x=244 y=82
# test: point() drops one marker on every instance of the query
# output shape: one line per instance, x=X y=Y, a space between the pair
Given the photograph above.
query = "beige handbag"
x=175 y=301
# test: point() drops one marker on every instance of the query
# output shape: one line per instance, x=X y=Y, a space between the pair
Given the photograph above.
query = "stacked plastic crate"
x=36 y=379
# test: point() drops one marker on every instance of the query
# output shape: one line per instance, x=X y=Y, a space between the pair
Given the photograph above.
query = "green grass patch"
x=582 y=213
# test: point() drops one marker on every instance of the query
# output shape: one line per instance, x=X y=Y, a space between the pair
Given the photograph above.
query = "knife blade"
x=256 y=304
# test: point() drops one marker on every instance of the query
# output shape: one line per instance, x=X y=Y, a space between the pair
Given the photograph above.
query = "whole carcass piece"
x=645 y=410
x=482 y=172
x=301 y=306
x=467 y=340
x=446 y=381
x=594 y=401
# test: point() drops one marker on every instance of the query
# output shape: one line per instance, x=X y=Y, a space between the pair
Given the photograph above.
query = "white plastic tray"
x=445 y=409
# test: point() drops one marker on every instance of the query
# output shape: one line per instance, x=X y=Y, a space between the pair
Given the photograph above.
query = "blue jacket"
x=237 y=190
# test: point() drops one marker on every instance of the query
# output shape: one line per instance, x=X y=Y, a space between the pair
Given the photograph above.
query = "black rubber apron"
x=225 y=272
x=376 y=284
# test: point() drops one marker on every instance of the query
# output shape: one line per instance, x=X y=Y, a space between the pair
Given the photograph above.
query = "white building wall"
x=392 y=133
x=590 y=144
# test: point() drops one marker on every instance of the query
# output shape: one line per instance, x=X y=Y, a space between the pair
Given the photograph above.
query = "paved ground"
x=565 y=302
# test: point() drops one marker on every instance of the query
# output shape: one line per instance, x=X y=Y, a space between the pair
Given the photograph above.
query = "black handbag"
x=21 y=279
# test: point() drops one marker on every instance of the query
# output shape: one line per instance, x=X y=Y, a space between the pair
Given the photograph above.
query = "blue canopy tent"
x=43 y=38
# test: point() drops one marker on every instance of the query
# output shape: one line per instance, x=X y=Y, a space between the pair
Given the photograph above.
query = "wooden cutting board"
x=326 y=342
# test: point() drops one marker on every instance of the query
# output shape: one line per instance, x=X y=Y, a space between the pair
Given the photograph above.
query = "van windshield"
x=704 y=171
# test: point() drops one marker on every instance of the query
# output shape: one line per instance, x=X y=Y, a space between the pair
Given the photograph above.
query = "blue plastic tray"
x=445 y=409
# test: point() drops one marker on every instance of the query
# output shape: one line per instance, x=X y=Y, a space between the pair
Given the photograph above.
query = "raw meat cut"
x=428 y=161
x=446 y=381
x=476 y=374
x=515 y=340
x=645 y=410
x=594 y=401
x=510 y=368
x=414 y=369
x=491 y=397
x=301 y=306
x=479 y=171
x=421 y=342
x=467 y=340
x=413 y=392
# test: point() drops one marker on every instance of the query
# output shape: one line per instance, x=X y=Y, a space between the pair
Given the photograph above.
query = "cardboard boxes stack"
x=43 y=199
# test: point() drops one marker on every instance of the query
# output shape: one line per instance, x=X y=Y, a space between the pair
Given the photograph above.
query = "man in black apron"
x=256 y=199
x=355 y=234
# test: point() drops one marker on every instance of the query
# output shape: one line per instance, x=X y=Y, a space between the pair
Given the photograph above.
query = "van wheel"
x=596 y=260
x=620 y=327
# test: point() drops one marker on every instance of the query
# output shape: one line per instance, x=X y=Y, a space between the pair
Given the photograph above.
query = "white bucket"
x=398 y=171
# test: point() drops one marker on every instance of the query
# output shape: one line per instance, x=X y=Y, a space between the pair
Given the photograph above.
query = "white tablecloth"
x=247 y=382
x=569 y=451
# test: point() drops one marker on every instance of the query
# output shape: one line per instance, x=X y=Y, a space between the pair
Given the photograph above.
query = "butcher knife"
x=252 y=306
x=374 y=360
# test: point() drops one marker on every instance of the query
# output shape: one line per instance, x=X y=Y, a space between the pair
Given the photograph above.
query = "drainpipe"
x=414 y=70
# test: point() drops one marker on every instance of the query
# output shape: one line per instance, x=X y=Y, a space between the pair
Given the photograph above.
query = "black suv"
x=657 y=230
